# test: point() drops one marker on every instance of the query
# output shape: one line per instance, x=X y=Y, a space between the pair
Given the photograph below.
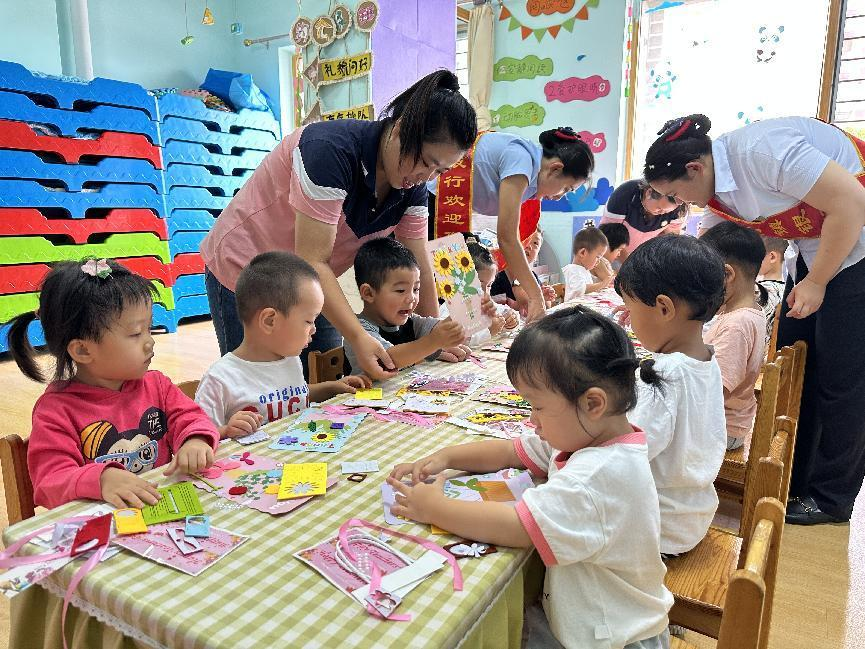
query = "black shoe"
x=804 y=511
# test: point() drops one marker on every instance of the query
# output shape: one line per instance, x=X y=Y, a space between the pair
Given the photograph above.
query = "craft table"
x=261 y=596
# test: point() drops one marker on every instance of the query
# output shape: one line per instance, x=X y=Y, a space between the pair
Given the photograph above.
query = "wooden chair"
x=326 y=366
x=747 y=618
x=188 y=388
x=773 y=337
x=16 y=478
x=790 y=401
x=699 y=579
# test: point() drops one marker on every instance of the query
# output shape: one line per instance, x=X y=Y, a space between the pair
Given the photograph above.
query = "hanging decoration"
x=344 y=68
x=365 y=111
x=301 y=32
x=548 y=7
x=236 y=28
x=323 y=31
x=186 y=40
x=207 y=18
x=314 y=114
x=553 y=30
x=366 y=15
x=341 y=17
x=311 y=73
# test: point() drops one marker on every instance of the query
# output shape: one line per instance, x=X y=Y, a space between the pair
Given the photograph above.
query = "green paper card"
x=178 y=501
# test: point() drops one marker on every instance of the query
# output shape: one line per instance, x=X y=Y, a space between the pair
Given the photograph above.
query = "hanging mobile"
x=236 y=27
x=207 y=18
x=189 y=38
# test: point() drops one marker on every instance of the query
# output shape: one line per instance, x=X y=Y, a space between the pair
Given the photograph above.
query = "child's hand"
x=194 y=455
x=511 y=319
x=353 y=383
x=241 y=424
x=497 y=325
x=120 y=488
x=456 y=354
x=448 y=333
x=624 y=316
x=488 y=307
x=418 y=501
x=549 y=293
x=422 y=469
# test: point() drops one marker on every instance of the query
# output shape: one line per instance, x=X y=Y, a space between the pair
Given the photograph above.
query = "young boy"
x=388 y=278
x=770 y=282
x=739 y=332
x=670 y=287
x=589 y=244
x=618 y=240
x=278 y=298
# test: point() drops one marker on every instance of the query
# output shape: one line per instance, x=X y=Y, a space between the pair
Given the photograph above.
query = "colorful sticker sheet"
x=503 y=395
x=319 y=431
x=457 y=282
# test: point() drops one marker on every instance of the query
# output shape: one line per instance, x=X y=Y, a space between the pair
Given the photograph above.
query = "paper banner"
x=548 y=7
x=528 y=114
x=301 y=32
x=528 y=67
x=365 y=111
x=323 y=31
x=577 y=88
x=366 y=15
x=313 y=115
x=344 y=68
x=341 y=17
x=311 y=72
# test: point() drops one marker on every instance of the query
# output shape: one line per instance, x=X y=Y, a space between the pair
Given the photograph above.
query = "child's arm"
x=325 y=390
x=733 y=342
x=446 y=333
x=485 y=457
x=211 y=396
x=191 y=435
x=599 y=285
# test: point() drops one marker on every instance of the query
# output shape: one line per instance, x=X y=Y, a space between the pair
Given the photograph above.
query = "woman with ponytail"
x=328 y=187
x=799 y=179
x=501 y=172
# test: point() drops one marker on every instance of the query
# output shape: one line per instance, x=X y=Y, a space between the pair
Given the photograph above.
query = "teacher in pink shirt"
x=329 y=187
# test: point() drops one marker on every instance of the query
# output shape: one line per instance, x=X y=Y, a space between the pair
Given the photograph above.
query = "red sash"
x=802 y=221
x=454 y=197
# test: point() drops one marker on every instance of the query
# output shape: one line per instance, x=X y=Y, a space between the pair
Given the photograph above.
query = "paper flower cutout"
x=443 y=263
x=464 y=261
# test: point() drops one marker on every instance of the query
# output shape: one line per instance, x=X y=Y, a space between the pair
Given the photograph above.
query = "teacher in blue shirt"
x=500 y=172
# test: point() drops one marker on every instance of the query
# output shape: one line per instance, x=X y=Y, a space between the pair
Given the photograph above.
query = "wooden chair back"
x=793 y=398
x=747 y=616
x=769 y=478
x=188 y=388
x=767 y=410
x=326 y=366
x=772 y=347
x=16 y=478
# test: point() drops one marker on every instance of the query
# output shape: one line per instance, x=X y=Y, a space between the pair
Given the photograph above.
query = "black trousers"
x=829 y=463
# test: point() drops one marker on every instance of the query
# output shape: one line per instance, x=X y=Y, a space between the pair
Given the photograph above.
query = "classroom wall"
x=28 y=34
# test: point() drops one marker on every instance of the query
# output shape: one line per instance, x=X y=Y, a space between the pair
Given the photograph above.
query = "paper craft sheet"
x=422 y=383
x=156 y=545
x=503 y=395
x=457 y=282
x=312 y=431
x=505 y=486
x=299 y=480
x=178 y=501
x=264 y=472
x=430 y=404
x=496 y=421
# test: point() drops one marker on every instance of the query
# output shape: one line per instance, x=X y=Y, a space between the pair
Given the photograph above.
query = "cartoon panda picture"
x=662 y=79
x=136 y=449
x=769 y=39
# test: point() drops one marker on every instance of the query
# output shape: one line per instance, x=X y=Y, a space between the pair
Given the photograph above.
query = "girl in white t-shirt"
x=506 y=318
x=595 y=520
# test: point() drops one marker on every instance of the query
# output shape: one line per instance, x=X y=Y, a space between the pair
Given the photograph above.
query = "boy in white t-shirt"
x=589 y=245
x=770 y=280
x=670 y=287
x=278 y=299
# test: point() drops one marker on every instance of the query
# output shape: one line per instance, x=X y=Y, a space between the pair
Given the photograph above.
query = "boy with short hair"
x=278 y=299
x=388 y=279
x=618 y=240
x=589 y=244
x=738 y=333
x=770 y=284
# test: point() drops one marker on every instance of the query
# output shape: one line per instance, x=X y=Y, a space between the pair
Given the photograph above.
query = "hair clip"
x=680 y=131
x=567 y=133
x=651 y=166
x=96 y=268
x=669 y=164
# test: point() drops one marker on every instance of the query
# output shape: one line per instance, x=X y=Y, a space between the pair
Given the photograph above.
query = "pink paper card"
x=465 y=383
x=457 y=282
x=156 y=545
x=250 y=480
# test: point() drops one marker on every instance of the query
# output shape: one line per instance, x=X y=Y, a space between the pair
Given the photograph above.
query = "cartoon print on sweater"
x=136 y=449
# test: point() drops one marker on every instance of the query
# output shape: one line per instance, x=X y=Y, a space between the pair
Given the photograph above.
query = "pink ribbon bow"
x=96 y=268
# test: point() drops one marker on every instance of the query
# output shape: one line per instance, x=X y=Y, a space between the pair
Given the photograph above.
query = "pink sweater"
x=79 y=430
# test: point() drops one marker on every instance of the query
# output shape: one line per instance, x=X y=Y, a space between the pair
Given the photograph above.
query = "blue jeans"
x=229 y=328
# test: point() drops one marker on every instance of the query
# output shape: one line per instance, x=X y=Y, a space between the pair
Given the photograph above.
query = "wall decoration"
x=751 y=116
x=662 y=79
x=189 y=38
x=597 y=141
x=344 y=68
x=667 y=4
x=323 y=31
x=311 y=73
x=301 y=32
x=769 y=39
x=577 y=88
x=366 y=15
x=207 y=18
x=528 y=67
x=313 y=115
x=365 y=111
x=582 y=200
x=580 y=57
x=553 y=30
x=341 y=17
x=548 y=7
x=528 y=114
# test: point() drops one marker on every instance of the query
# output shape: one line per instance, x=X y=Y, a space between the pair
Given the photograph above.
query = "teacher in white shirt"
x=798 y=179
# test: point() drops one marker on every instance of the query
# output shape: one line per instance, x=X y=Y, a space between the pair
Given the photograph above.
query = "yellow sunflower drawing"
x=323 y=436
x=447 y=289
x=464 y=261
x=443 y=263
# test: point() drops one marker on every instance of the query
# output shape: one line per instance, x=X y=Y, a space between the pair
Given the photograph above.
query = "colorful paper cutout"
x=311 y=431
x=371 y=393
x=129 y=520
x=503 y=395
x=597 y=141
x=197 y=526
x=431 y=404
x=178 y=501
x=496 y=421
x=363 y=111
x=366 y=15
x=505 y=486
x=548 y=7
x=323 y=31
x=93 y=534
x=457 y=282
x=344 y=68
x=530 y=113
x=302 y=480
x=577 y=89
x=370 y=466
x=465 y=383
x=301 y=32
x=510 y=69
x=341 y=17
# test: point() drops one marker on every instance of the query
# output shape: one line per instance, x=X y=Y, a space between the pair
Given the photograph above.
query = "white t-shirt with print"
x=595 y=524
x=687 y=437
x=275 y=389
x=576 y=279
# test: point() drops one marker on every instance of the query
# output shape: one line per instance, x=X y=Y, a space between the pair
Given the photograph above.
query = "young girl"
x=671 y=286
x=485 y=266
x=104 y=417
x=595 y=520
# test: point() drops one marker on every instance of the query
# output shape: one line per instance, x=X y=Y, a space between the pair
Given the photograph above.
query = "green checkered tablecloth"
x=260 y=595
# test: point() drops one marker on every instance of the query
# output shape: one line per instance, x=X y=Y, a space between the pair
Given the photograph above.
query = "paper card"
x=253 y=485
x=466 y=383
x=505 y=486
x=178 y=501
x=371 y=393
x=129 y=520
x=499 y=346
x=367 y=403
x=388 y=500
x=197 y=526
x=93 y=534
x=156 y=545
x=302 y=480
x=318 y=431
x=253 y=438
x=504 y=395
x=457 y=282
x=370 y=466
x=431 y=405
x=401 y=582
x=496 y=421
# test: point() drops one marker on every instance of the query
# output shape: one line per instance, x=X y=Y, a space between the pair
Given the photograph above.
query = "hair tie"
x=566 y=133
x=679 y=131
x=96 y=268
x=631 y=364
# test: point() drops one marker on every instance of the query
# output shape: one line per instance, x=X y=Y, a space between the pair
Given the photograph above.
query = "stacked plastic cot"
x=208 y=156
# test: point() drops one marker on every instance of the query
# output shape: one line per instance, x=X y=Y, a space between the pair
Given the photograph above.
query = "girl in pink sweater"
x=104 y=418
